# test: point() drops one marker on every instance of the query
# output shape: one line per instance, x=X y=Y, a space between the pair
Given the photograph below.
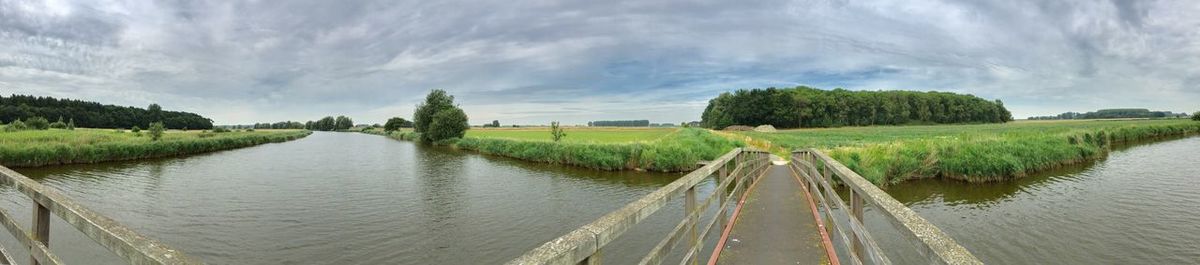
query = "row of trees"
x=329 y=123
x=1111 y=114
x=280 y=125
x=95 y=115
x=810 y=107
x=627 y=123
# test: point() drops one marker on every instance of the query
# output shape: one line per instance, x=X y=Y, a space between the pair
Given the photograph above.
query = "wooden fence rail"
x=584 y=245
x=120 y=240
x=845 y=222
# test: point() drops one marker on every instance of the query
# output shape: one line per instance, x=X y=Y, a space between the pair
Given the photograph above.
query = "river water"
x=338 y=198
x=343 y=198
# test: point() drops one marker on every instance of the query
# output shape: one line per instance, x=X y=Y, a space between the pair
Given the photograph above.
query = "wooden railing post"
x=41 y=229
x=856 y=212
x=690 y=207
x=722 y=175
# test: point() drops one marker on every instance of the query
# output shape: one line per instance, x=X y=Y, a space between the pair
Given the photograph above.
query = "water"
x=1139 y=206
x=340 y=198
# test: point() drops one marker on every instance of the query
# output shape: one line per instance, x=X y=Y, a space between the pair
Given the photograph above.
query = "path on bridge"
x=775 y=225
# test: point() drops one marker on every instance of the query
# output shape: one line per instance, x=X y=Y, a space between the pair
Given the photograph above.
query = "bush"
x=556 y=132
x=250 y=130
x=136 y=129
x=220 y=130
x=1196 y=116
x=38 y=123
x=447 y=124
x=156 y=131
x=16 y=125
x=71 y=124
x=59 y=124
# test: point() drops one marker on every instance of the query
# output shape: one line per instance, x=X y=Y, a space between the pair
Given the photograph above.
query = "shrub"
x=1196 y=116
x=16 y=125
x=156 y=131
x=136 y=129
x=220 y=130
x=249 y=129
x=556 y=132
x=58 y=124
x=71 y=124
x=447 y=124
x=38 y=123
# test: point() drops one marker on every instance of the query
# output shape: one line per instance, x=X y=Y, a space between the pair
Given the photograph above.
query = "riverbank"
x=677 y=151
x=974 y=153
x=33 y=148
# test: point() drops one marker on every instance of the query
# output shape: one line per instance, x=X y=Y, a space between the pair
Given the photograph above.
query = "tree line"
x=95 y=115
x=1111 y=114
x=621 y=123
x=811 y=107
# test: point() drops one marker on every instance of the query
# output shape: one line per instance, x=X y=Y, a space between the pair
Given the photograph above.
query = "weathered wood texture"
x=584 y=245
x=120 y=240
x=823 y=174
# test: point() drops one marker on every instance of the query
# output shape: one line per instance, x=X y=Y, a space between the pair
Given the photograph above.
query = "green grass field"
x=984 y=152
x=30 y=148
x=576 y=134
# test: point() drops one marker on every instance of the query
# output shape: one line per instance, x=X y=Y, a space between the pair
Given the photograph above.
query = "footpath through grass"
x=31 y=148
x=668 y=150
x=985 y=152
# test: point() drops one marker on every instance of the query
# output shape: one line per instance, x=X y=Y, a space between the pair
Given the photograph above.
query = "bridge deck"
x=775 y=225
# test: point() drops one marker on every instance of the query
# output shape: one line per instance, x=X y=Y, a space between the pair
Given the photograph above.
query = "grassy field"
x=668 y=150
x=575 y=134
x=31 y=148
x=984 y=152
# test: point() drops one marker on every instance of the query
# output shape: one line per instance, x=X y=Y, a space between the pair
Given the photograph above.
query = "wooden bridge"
x=805 y=210
x=120 y=240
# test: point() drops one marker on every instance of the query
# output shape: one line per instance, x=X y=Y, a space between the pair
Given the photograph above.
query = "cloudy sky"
x=535 y=61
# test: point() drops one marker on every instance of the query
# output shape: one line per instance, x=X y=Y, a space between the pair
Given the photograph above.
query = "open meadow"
x=28 y=148
x=576 y=134
x=977 y=152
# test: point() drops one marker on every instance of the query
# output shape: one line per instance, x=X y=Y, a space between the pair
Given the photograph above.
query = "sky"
x=532 y=62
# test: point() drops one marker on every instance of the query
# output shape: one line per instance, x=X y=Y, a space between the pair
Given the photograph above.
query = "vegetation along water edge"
x=976 y=153
x=32 y=148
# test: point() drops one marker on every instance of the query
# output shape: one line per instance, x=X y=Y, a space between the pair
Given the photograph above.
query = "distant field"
x=55 y=146
x=575 y=134
x=983 y=152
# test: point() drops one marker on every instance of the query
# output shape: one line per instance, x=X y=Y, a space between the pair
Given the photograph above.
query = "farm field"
x=575 y=134
x=29 y=148
x=984 y=152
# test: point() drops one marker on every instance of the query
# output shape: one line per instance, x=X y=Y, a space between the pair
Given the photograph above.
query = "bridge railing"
x=845 y=222
x=120 y=240
x=585 y=245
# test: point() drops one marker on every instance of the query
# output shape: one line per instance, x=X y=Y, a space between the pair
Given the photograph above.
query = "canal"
x=341 y=198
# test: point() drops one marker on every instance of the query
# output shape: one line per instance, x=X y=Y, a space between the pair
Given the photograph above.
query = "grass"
x=31 y=148
x=985 y=152
x=667 y=150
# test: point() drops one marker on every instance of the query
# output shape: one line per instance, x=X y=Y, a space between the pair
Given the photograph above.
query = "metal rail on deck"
x=845 y=222
x=585 y=245
x=122 y=241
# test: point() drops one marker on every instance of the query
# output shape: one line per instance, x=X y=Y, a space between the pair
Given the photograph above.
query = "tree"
x=343 y=123
x=495 y=123
x=436 y=101
x=447 y=124
x=155 y=112
x=1196 y=116
x=556 y=132
x=156 y=131
x=325 y=124
x=59 y=124
x=71 y=124
x=16 y=125
x=395 y=123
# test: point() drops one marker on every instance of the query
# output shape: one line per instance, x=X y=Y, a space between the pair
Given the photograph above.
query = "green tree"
x=556 y=131
x=325 y=124
x=435 y=102
x=71 y=124
x=156 y=131
x=1196 y=116
x=495 y=123
x=58 y=124
x=447 y=124
x=343 y=123
x=395 y=123
x=16 y=125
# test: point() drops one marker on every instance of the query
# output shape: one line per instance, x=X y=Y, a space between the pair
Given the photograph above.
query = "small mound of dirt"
x=738 y=128
x=765 y=128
